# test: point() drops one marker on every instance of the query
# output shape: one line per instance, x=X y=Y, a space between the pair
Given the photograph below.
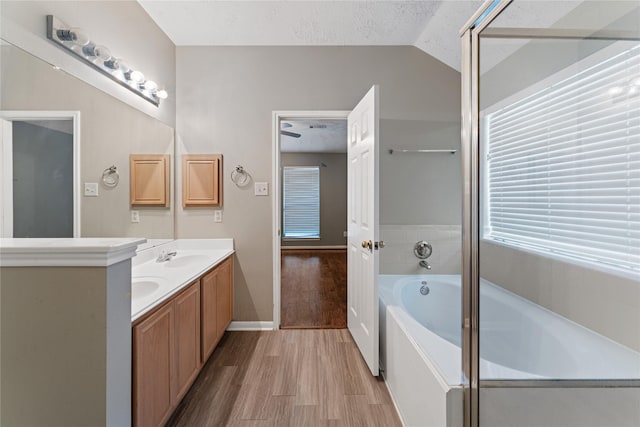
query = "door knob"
x=379 y=245
x=368 y=244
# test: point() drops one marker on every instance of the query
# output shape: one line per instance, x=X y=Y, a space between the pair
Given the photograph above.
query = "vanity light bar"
x=77 y=42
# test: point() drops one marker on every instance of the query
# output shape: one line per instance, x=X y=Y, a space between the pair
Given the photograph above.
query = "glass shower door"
x=557 y=237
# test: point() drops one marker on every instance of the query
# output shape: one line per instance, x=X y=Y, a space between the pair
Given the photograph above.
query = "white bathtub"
x=518 y=340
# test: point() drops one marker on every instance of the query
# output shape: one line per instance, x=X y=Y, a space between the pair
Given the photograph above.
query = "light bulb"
x=162 y=94
x=151 y=86
x=100 y=52
x=79 y=37
x=124 y=66
x=135 y=76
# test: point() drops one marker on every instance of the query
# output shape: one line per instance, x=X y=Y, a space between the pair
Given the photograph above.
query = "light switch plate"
x=217 y=216
x=261 y=189
x=135 y=216
x=91 y=189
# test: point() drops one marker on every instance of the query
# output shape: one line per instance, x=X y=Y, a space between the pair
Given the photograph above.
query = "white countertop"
x=193 y=259
x=67 y=252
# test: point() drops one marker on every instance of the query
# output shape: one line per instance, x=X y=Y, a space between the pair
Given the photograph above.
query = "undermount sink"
x=144 y=286
x=180 y=261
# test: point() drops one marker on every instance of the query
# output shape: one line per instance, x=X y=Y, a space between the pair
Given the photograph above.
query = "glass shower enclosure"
x=551 y=226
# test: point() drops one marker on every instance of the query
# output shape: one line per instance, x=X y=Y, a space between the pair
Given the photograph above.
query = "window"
x=563 y=167
x=301 y=202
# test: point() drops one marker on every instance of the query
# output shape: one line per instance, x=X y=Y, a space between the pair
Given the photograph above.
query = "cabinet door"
x=187 y=339
x=209 y=286
x=202 y=180
x=152 y=366
x=224 y=296
x=150 y=180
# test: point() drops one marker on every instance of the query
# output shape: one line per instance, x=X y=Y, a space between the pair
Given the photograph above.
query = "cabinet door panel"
x=153 y=358
x=224 y=297
x=209 y=316
x=187 y=339
x=150 y=179
x=201 y=180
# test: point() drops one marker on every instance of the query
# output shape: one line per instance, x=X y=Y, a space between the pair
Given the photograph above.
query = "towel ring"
x=110 y=177
x=239 y=176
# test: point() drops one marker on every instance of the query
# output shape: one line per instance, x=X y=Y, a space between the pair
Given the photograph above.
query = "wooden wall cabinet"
x=171 y=344
x=217 y=305
x=202 y=180
x=150 y=179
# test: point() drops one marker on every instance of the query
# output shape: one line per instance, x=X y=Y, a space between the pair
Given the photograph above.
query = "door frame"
x=277 y=117
x=7 y=163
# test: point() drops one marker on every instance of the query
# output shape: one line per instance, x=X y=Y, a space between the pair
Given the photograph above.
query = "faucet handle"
x=422 y=249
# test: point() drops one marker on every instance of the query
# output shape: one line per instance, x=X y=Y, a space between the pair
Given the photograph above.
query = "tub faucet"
x=425 y=264
x=166 y=256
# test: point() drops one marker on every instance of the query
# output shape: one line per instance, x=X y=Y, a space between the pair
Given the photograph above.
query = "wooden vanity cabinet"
x=217 y=305
x=171 y=343
x=166 y=357
x=153 y=359
x=187 y=339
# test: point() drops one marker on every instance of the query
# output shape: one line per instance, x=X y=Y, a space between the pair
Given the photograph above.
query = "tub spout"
x=425 y=264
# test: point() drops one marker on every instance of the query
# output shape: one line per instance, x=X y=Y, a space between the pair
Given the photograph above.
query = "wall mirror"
x=66 y=134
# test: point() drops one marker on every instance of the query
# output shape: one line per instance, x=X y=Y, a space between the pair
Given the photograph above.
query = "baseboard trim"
x=250 y=326
x=293 y=248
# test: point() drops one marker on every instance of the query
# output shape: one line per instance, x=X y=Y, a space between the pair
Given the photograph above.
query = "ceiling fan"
x=285 y=125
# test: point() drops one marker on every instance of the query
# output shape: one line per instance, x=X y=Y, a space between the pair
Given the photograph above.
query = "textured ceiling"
x=316 y=136
x=430 y=25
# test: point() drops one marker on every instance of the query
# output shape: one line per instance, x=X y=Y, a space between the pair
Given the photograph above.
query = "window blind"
x=563 y=166
x=301 y=202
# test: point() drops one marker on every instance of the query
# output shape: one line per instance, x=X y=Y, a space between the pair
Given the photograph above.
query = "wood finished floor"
x=298 y=378
x=313 y=289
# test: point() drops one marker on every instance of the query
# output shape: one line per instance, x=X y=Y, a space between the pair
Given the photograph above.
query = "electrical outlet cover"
x=261 y=189
x=91 y=189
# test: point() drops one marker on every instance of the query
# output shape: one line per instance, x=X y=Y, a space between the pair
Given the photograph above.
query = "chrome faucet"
x=425 y=264
x=166 y=256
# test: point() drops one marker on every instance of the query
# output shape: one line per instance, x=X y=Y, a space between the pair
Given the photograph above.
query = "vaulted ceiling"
x=429 y=25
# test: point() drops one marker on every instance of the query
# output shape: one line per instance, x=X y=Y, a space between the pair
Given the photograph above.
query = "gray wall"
x=123 y=26
x=110 y=130
x=333 y=195
x=225 y=100
x=42 y=182
x=420 y=188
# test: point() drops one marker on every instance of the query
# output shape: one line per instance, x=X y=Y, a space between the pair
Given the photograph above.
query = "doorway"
x=310 y=220
x=40 y=174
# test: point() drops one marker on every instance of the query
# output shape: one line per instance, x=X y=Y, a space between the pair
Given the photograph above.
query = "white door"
x=362 y=260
